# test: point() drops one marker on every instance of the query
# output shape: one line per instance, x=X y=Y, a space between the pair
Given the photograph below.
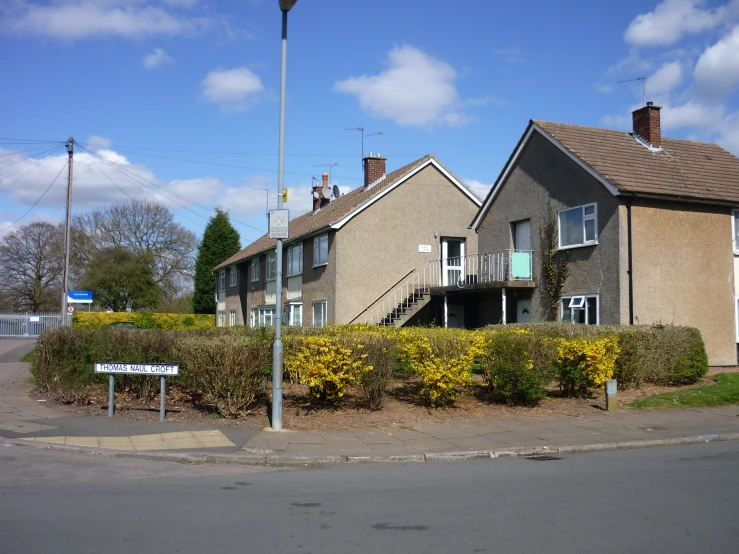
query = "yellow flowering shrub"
x=586 y=363
x=443 y=358
x=327 y=365
x=145 y=320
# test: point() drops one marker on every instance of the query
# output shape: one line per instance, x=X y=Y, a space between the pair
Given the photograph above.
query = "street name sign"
x=278 y=224
x=137 y=369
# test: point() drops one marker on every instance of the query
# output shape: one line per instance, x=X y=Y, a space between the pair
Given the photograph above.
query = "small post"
x=162 y=397
x=505 y=301
x=111 y=395
x=611 y=391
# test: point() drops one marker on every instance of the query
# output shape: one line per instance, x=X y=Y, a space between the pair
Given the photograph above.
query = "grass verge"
x=724 y=391
x=27 y=357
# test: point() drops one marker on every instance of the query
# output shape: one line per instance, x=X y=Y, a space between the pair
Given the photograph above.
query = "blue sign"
x=79 y=297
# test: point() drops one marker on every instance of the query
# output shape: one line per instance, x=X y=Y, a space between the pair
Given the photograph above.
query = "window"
x=232 y=318
x=320 y=250
x=295 y=314
x=319 y=313
x=232 y=277
x=255 y=270
x=735 y=223
x=578 y=226
x=295 y=260
x=222 y=318
x=271 y=272
x=262 y=317
x=222 y=279
x=580 y=309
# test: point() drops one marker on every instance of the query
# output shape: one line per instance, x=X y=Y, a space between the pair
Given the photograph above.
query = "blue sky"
x=179 y=98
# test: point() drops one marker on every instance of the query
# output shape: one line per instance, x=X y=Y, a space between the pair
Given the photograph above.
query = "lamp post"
x=277 y=353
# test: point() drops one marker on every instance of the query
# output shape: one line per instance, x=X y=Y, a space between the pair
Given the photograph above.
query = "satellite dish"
x=315 y=194
x=336 y=191
x=326 y=193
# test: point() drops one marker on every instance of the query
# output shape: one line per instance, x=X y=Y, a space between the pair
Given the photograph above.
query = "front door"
x=522 y=235
x=455 y=316
x=523 y=311
x=452 y=261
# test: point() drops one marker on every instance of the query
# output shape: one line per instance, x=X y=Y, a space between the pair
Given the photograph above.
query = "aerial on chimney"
x=321 y=194
x=647 y=125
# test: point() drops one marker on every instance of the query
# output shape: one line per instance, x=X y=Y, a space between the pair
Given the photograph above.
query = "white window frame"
x=232 y=276
x=270 y=268
x=222 y=318
x=222 y=280
x=232 y=318
x=579 y=302
x=734 y=223
x=259 y=316
x=736 y=316
x=253 y=317
x=590 y=217
x=255 y=270
x=317 y=250
x=291 y=311
x=324 y=304
x=291 y=262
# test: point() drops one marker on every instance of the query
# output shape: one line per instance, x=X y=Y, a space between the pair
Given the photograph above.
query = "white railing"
x=461 y=271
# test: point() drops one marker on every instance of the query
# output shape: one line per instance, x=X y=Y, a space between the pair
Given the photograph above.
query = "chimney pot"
x=324 y=177
x=646 y=122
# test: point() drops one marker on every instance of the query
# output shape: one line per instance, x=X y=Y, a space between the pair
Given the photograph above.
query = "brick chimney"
x=374 y=168
x=318 y=199
x=646 y=124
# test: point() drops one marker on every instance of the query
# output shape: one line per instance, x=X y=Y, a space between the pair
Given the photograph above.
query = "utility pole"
x=68 y=230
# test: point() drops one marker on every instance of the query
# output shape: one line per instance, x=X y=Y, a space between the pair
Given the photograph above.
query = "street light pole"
x=277 y=352
x=67 y=231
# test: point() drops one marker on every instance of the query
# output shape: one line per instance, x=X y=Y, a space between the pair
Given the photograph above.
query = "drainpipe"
x=631 y=266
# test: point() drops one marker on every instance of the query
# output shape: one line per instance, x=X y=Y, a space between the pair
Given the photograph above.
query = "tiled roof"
x=682 y=169
x=329 y=215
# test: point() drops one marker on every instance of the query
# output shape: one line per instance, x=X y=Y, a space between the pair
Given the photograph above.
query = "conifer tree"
x=220 y=242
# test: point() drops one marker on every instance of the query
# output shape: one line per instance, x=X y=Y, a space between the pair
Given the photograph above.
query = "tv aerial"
x=643 y=87
x=361 y=130
x=330 y=167
x=383 y=140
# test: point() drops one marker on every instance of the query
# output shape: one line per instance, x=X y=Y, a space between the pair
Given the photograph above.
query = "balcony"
x=486 y=268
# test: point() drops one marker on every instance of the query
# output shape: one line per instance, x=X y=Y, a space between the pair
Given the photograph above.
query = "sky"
x=178 y=100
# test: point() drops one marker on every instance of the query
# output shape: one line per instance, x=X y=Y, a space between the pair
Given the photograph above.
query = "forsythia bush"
x=586 y=363
x=327 y=365
x=145 y=320
x=443 y=358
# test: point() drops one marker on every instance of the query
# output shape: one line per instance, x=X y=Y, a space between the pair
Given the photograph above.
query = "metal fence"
x=28 y=325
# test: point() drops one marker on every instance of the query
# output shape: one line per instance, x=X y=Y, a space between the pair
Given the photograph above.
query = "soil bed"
x=402 y=407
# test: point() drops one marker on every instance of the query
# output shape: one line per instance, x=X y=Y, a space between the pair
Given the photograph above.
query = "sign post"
x=278 y=224
x=120 y=368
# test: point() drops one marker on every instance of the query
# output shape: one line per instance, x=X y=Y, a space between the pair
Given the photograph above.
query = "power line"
x=36 y=164
x=22 y=141
x=41 y=153
x=39 y=199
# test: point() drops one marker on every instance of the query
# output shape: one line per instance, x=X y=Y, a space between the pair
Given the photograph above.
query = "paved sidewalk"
x=24 y=421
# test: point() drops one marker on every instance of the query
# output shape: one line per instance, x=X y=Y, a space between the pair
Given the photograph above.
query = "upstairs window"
x=735 y=241
x=295 y=260
x=222 y=280
x=320 y=250
x=232 y=275
x=255 y=270
x=270 y=273
x=578 y=226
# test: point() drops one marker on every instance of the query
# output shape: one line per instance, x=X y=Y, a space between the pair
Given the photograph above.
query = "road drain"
x=542 y=457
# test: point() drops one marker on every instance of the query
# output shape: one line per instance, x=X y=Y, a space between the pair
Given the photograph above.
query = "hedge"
x=145 y=320
x=223 y=368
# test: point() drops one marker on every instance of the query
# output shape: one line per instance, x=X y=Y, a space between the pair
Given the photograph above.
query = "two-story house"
x=650 y=225
x=350 y=253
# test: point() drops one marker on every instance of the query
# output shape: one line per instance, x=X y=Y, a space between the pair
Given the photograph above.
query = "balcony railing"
x=490 y=267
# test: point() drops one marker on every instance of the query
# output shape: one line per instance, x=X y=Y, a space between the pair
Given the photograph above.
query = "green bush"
x=227 y=373
x=382 y=356
x=145 y=320
x=517 y=366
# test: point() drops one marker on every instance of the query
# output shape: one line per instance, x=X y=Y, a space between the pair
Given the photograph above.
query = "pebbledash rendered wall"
x=684 y=271
x=544 y=175
x=381 y=244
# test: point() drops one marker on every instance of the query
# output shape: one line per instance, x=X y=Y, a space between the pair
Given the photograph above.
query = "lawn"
x=27 y=357
x=724 y=391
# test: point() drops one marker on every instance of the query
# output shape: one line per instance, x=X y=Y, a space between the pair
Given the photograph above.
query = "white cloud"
x=6 y=225
x=510 y=55
x=232 y=89
x=478 y=187
x=79 y=19
x=666 y=78
x=673 y=19
x=691 y=114
x=96 y=143
x=416 y=89
x=97 y=182
x=717 y=70
x=158 y=57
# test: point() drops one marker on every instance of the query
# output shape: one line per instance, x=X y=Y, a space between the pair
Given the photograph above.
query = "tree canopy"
x=220 y=242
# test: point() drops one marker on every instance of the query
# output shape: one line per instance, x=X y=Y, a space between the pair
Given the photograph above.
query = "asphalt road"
x=680 y=499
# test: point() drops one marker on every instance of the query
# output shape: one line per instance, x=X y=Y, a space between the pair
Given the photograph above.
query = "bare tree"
x=31 y=262
x=142 y=226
